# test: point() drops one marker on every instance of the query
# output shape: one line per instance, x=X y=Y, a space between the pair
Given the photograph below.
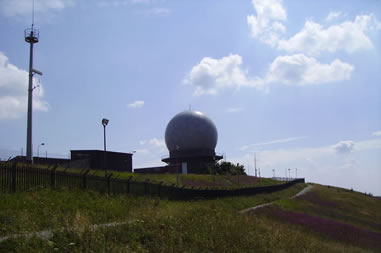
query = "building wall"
x=115 y=161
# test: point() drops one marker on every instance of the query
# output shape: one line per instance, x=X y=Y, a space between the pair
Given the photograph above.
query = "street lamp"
x=38 y=149
x=104 y=123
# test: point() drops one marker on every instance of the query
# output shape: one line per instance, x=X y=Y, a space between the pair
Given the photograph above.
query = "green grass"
x=339 y=204
x=164 y=226
x=204 y=180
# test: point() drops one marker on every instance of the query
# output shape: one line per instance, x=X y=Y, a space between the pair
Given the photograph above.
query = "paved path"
x=302 y=192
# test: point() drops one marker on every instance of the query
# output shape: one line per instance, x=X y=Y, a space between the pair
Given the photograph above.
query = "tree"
x=226 y=168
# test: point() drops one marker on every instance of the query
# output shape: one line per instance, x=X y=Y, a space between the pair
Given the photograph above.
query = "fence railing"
x=14 y=177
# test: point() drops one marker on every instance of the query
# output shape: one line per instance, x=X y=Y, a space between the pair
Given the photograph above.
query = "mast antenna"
x=31 y=36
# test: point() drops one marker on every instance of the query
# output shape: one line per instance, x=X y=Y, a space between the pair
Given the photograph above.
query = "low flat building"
x=97 y=159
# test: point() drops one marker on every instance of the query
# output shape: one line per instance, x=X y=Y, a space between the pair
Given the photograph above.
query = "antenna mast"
x=31 y=36
x=33 y=15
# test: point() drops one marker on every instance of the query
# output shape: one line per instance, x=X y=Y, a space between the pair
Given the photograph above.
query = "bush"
x=226 y=168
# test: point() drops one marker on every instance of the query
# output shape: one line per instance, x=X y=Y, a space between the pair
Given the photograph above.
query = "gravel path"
x=302 y=192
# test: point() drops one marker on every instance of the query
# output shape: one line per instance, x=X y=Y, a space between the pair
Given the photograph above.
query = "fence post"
x=128 y=184
x=84 y=179
x=53 y=177
x=146 y=186
x=160 y=189
x=13 y=181
x=109 y=183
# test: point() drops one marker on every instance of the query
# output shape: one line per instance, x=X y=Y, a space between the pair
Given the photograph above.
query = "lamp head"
x=104 y=122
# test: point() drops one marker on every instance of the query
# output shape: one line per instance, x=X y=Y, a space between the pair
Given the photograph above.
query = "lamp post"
x=104 y=123
x=38 y=149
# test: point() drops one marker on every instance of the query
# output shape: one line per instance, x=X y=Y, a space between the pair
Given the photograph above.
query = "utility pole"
x=255 y=164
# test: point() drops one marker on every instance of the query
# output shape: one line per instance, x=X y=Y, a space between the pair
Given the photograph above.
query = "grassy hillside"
x=192 y=226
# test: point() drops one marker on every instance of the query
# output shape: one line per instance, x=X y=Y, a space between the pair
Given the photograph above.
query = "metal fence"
x=15 y=177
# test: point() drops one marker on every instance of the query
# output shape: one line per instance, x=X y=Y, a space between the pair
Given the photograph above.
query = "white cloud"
x=136 y=104
x=359 y=169
x=377 y=133
x=368 y=144
x=211 y=75
x=281 y=157
x=14 y=90
x=153 y=145
x=23 y=8
x=349 y=36
x=301 y=70
x=267 y=25
x=234 y=109
x=344 y=147
x=157 y=143
x=333 y=15
x=278 y=141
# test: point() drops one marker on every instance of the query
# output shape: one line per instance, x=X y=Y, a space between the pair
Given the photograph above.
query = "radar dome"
x=190 y=130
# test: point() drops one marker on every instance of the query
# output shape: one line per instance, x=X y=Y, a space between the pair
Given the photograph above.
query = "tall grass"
x=157 y=225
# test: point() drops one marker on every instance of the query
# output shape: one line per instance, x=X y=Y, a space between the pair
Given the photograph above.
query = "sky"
x=297 y=83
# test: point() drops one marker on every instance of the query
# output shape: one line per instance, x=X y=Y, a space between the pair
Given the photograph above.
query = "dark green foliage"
x=226 y=168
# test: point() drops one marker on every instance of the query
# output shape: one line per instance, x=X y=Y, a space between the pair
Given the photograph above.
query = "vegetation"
x=226 y=168
x=226 y=176
x=177 y=226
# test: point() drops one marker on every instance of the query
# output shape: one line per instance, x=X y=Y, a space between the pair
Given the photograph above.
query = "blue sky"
x=296 y=82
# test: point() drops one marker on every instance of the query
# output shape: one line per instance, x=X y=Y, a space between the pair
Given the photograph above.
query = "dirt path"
x=302 y=192
x=46 y=234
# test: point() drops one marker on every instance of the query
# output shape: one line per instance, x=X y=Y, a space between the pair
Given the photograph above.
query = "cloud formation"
x=279 y=141
x=268 y=24
x=344 y=147
x=350 y=36
x=23 y=8
x=377 y=133
x=313 y=39
x=333 y=15
x=212 y=75
x=136 y=104
x=154 y=145
x=14 y=90
x=299 y=69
